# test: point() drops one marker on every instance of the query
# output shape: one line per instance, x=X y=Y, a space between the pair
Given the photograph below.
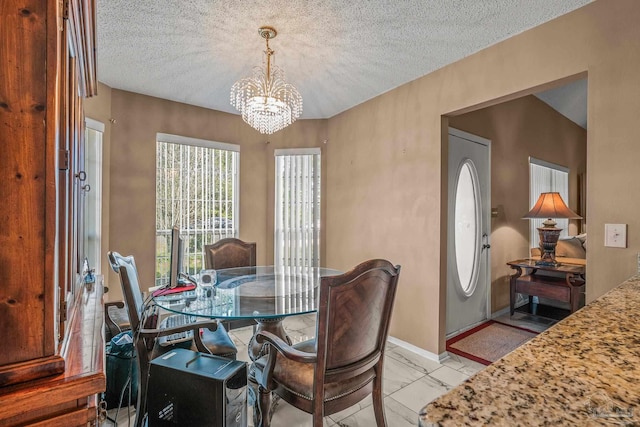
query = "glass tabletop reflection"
x=262 y=292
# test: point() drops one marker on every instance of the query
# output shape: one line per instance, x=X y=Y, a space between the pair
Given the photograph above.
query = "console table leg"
x=512 y=288
x=512 y=295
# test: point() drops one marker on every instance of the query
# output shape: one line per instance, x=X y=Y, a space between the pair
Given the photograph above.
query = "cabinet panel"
x=27 y=293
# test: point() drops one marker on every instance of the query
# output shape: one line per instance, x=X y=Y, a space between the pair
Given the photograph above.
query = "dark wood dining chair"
x=231 y=253
x=344 y=364
x=208 y=337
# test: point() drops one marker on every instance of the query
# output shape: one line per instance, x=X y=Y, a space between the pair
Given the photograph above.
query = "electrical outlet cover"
x=615 y=235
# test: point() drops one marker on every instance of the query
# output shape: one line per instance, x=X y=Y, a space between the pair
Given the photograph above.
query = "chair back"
x=353 y=318
x=125 y=266
x=126 y=269
x=230 y=253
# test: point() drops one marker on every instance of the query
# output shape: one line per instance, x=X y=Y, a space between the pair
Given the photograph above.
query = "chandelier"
x=266 y=101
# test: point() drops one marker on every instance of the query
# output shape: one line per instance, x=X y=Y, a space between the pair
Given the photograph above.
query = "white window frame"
x=94 y=180
x=209 y=228
x=545 y=177
x=291 y=242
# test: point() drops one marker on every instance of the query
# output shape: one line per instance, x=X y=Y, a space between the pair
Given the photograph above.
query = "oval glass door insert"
x=467 y=227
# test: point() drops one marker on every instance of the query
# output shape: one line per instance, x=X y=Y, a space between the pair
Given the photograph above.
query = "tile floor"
x=410 y=382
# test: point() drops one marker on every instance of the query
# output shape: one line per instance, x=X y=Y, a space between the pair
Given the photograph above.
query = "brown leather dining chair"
x=231 y=253
x=207 y=337
x=343 y=365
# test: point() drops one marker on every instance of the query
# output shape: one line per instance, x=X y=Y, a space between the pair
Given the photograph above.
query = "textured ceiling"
x=337 y=53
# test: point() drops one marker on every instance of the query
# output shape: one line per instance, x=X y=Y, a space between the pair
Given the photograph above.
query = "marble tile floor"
x=410 y=382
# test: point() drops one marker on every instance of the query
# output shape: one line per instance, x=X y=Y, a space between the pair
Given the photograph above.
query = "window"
x=297 y=205
x=546 y=177
x=91 y=190
x=197 y=191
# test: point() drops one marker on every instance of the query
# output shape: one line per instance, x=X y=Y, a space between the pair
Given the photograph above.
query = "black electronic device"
x=187 y=388
x=175 y=262
x=177 y=254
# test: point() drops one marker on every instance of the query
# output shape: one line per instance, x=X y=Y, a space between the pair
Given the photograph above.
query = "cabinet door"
x=28 y=159
x=49 y=66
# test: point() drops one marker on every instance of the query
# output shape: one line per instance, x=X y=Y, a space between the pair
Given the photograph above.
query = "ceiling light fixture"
x=266 y=101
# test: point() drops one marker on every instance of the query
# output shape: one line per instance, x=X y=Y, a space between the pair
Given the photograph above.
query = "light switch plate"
x=615 y=235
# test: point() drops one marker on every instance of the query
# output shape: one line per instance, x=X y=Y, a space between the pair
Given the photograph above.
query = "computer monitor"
x=177 y=251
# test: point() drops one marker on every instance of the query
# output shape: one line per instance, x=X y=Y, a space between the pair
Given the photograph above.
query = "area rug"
x=489 y=341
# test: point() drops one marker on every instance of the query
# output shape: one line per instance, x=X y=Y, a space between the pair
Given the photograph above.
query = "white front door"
x=468 y=231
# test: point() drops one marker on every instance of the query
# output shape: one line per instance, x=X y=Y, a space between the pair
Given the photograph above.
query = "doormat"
x=489 y=341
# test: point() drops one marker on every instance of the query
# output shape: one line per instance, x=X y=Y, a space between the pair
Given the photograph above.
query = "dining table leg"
x=256 y=351
x=273 y=325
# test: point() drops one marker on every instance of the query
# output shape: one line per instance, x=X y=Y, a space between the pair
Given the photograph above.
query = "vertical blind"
x=92 y=192
x=546 y=177
x=297 y=209
x=197 y=191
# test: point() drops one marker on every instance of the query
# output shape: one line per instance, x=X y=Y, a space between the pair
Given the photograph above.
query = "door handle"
x=485 y=245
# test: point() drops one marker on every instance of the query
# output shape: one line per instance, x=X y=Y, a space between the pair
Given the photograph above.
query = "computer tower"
x=187 y=388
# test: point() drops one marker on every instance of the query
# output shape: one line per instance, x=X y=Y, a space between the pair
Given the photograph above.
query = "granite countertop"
x=585 y=370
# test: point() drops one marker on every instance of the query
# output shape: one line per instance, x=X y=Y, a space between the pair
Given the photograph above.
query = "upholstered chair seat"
x=217 y=342
x=295 y=378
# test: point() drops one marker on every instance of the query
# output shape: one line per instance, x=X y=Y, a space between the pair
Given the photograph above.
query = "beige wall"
x=384 y=159
x=518 y=129
x=385 y=156
x=138 y=118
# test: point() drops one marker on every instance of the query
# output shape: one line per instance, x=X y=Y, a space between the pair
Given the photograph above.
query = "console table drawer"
x=547 y=289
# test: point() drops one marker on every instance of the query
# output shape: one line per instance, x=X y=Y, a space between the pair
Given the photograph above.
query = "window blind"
x=546 y=177
x=197 y=190
x=297 y=208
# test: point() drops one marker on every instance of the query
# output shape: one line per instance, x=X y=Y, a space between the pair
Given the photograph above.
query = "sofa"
x=569 y=250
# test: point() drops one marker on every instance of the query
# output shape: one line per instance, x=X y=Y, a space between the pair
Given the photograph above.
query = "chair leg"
x=318 y=413
x=317 y=419
x=262 y=409
x=141 y=407
x=378 y=402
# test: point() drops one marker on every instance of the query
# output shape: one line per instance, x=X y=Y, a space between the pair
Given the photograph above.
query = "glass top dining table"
x=266 y=294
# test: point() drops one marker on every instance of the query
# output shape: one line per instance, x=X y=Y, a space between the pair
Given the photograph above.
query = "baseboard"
x=419 y=351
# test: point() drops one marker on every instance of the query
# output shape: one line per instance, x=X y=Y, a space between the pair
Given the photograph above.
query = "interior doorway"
x=540 y=124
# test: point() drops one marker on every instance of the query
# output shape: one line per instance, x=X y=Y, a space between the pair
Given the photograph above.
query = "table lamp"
x=550 y=205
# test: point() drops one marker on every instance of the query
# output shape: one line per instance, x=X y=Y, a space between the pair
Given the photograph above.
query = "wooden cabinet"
x=48 y=66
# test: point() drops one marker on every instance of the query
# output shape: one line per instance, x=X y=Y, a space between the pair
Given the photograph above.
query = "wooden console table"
x=565 y=282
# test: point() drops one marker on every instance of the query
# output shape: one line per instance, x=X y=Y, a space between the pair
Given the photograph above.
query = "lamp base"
x=547 y=263
x=548 y=241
